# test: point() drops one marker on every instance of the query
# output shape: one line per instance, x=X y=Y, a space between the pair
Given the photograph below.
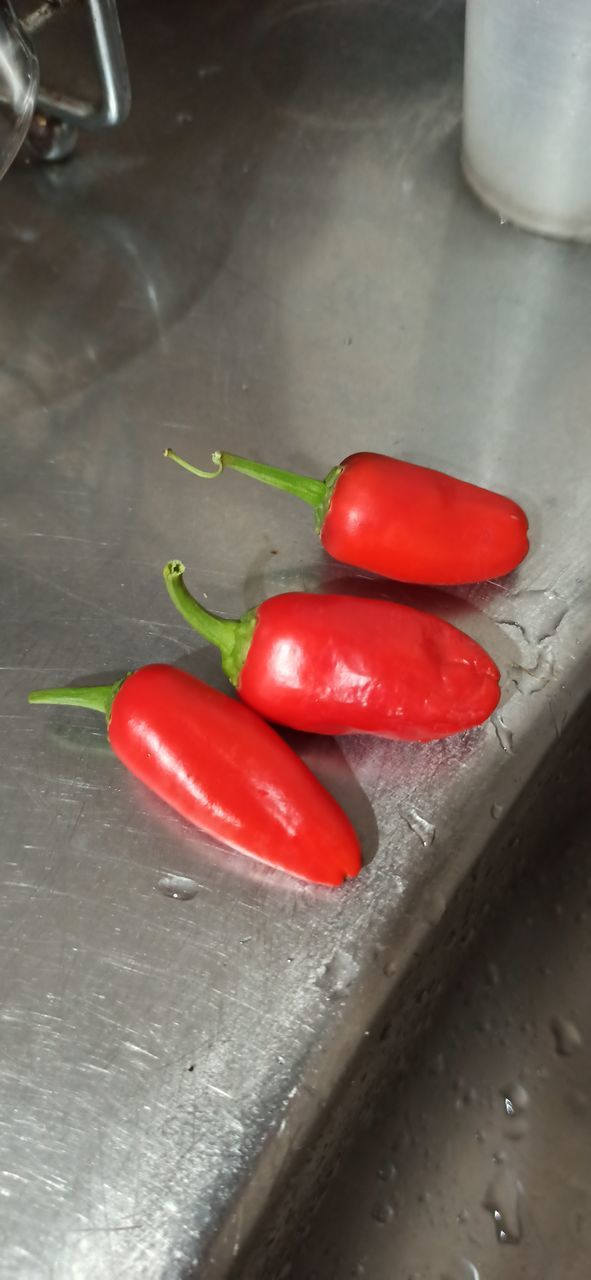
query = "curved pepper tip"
x=196 y=471
x=173 y=569
x=353 y=862
x=343 y=862
x=338 y=878
x=352 y=870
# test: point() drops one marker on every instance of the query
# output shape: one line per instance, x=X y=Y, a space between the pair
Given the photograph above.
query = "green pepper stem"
x=97 y=697
x=304 y=487
x=219 y=631
x=195 y=471
x=231 y=635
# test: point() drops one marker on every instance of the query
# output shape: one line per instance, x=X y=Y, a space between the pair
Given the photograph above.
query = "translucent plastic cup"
x=527 y=112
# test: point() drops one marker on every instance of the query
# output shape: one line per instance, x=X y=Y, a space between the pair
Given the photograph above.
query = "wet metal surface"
x=479 y=1167
x=275 y=254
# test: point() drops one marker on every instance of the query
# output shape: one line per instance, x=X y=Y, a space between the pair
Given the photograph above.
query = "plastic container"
x=527 y=112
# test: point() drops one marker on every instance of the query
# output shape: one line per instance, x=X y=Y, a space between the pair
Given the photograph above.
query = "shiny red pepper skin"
x=400 y=520
x=333 y=664
x=229 y=773
x=341 y=664
x=418 y=525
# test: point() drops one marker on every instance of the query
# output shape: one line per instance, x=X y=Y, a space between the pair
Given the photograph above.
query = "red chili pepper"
x=400 y=520
x=341 y=664
x=224 y=769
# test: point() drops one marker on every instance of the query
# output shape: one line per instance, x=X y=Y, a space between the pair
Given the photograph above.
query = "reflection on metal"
x=51 y=139
x=19 y=79
x=115 y=96
x=34 y=21
x=301 y=291
x=53 y=128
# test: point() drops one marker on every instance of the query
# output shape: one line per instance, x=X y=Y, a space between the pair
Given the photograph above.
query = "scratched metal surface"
x=276 y=254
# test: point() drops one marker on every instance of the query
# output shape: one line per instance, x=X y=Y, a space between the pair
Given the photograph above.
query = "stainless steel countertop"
x=276 y=254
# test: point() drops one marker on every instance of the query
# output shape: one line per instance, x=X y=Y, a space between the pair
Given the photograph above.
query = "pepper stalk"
x=316 y=493
x=99 y=697
x=231 y=635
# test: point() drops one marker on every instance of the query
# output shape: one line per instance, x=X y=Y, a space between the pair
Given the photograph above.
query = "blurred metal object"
x=34 y=21
x=114 y=101
x=51 y=139
x=19 y=79
x=51 y=118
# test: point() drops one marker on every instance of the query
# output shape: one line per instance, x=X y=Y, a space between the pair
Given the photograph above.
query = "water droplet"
x=518 y=1128
x=531 y=679
x=181 y=887
x=383 y=1212
x=503 y=732
x=387 y=1171
x=496 y=810
x=493 y=976
x=338 y=973
x=515 y=1098
x=502 y=1198
x=540 y=613
x=461 y=1270
x=580 y=1101
x=417 y=823
x=567 y=1037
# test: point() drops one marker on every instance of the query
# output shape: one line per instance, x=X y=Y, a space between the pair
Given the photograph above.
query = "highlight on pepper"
x=344 y=664
x=401 y=520
x=223 y=768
